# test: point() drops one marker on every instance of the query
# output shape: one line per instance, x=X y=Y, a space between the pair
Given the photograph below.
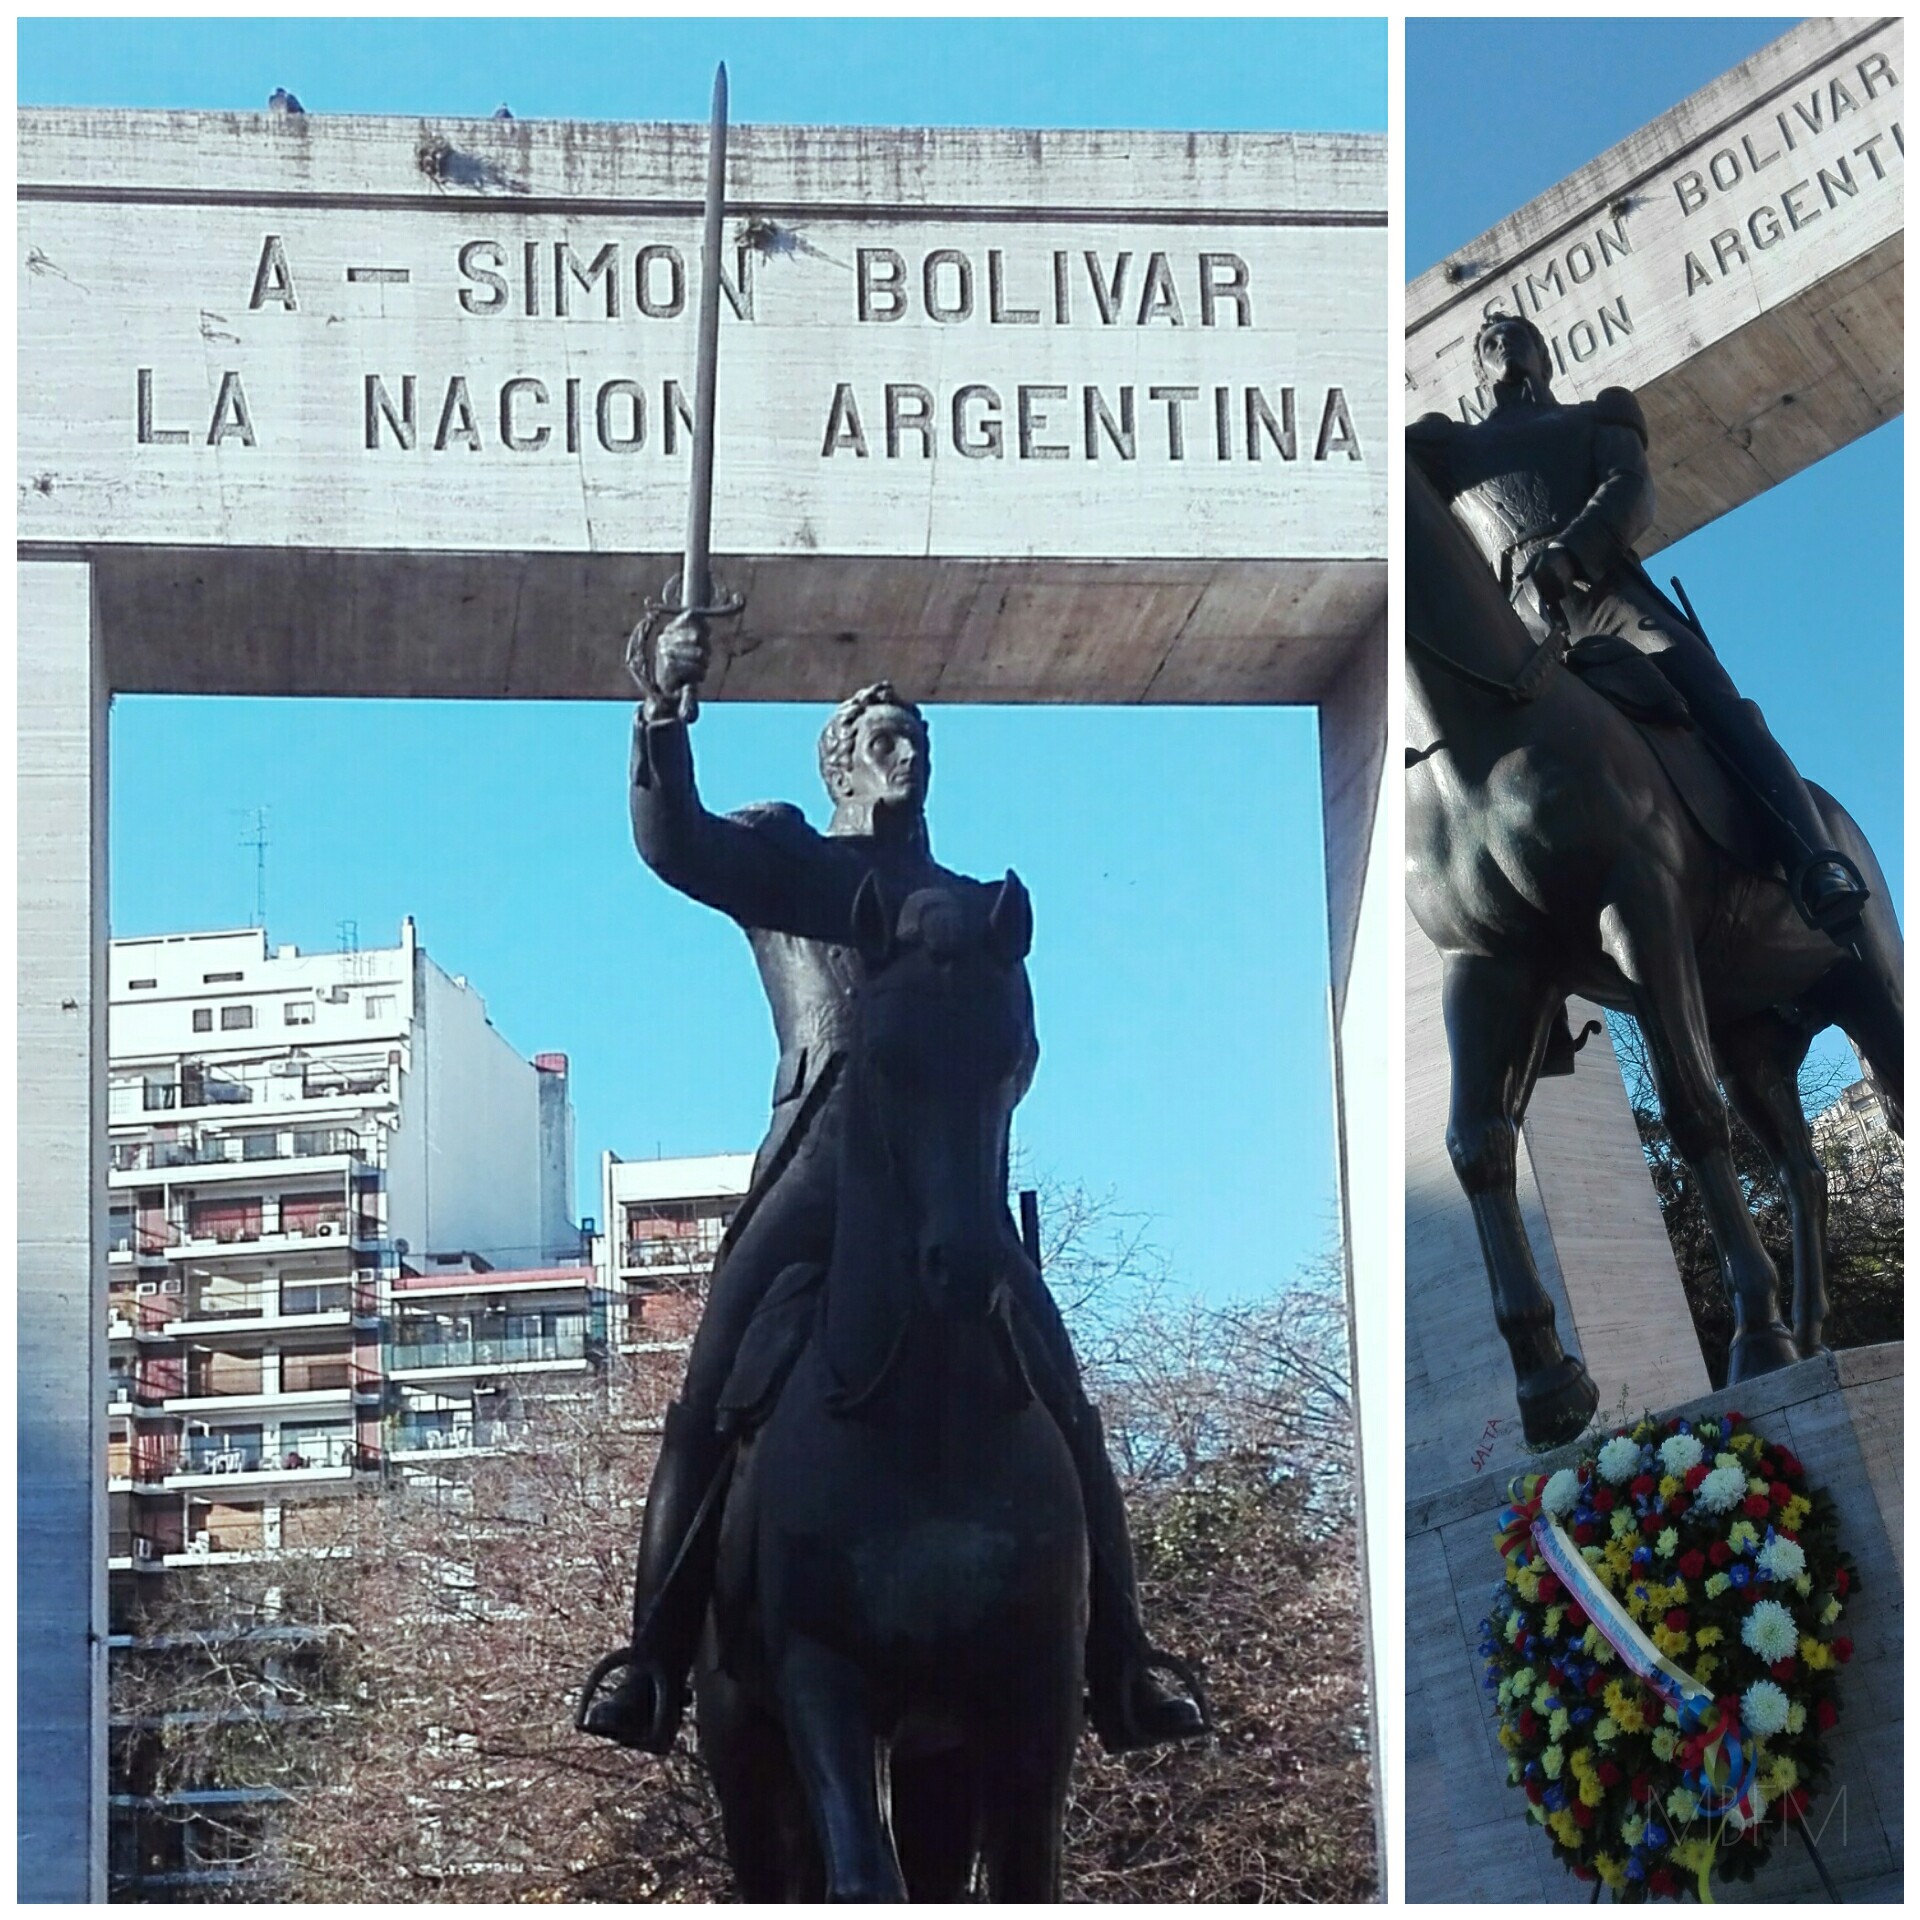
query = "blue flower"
x=1580 y=1716
x=1654 y=1836
x=1739 y=1573
x=1555 y=1798
x=1636 y=1867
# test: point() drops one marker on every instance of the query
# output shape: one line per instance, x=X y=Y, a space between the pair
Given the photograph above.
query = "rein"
x=1526 y=684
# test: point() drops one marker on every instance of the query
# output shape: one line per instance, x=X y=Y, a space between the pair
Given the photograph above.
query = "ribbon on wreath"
x=1515 y=1530
x=1723 y=1779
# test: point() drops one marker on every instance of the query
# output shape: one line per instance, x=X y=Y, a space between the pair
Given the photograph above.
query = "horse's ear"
x=872 y=924
x=1010 y=922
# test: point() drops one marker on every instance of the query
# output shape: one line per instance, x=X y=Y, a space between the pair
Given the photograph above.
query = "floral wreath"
x=1664 y=1655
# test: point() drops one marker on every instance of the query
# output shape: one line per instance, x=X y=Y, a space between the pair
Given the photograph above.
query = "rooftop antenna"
x=257 y=840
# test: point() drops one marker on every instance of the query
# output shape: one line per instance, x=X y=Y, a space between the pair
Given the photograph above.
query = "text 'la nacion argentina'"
x=1156 y=416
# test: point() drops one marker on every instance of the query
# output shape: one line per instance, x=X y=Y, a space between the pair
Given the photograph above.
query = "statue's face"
x=1507 y=352
x=890 y=762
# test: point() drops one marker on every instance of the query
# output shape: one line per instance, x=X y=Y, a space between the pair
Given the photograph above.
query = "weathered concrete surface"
x=61 y=1365
x=223 y=317
x=1467 y=1836
x=1596 y=1232
x=1737 y=262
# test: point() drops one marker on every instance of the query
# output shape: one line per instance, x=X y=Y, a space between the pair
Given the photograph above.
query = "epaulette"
x=1616 y=407
x=1433 y=426
x=777 y=816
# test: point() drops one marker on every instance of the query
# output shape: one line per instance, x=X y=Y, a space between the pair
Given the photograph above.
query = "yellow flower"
x=1681 y=1804
x=1527 y=1584
x=1558 y=1724
x=1610 y=1870
x=1816 y=1653
x=1705 y=1667
x=1554 y=1616
x=1591 y=1791
x=1803 y=1584
x=1623 y=1523
x=1796 y=1718
x=1741 y=1535
x=1795 y=1511
x=1717 y=1584
x=1664 y=1741
x=1541 y=1695
x=1630 y=1718
x=1670 y=1639
x=1781 y=1777
x=1580 y=1762
x=1677 y=1593
x=1745 y=1443
x=1708 y=1637
x=1669 y=1486
x=1693 y=1855
x=1631 y=1829
x=1755 y=1484
x=1509 y=1738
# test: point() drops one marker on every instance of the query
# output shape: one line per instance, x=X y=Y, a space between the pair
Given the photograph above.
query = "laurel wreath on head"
x=1664 y=1652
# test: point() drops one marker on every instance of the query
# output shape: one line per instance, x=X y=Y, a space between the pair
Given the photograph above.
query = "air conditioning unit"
x=143 y=1548
x=201 y=1545
x=146 y=1287
x=174 y=1284
x=118 y=1326
x=326 y=1229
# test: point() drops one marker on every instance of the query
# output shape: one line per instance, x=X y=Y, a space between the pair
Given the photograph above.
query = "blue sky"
x=1174 y=856
x=1800 y=589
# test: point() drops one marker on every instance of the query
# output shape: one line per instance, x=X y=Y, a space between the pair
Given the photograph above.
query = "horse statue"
x=1556 y=846
x=889 y=1691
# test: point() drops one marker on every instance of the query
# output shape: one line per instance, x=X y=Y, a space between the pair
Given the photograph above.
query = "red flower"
x=1840 y=1582
x=1662 y=1882
x=1694 y=1475
x=1736 y=1418
x=1641 y=1486
x=1584 y=1535
x=1536 y=1792
x=1692 y=1564
x=1719 y=1553
x=1639 y=1787
x=1783 y=1669
x=1677 y=1619
x=1576 y=1616
x=1604 y=1500
x=1779 y=1493
x=1529 y=1726
x=1674 y=1425
x=1651 y=1525
x=1678 y=1505
x=1756 y=1506
x=1557 y=1674
x=1596 y=1685
x=1549 y=1589
x=1825 y=1713
x=1607 y=1774
x=1585 y=1873
x=1582 y=1814
x=1790 y=1467
x=1842 y=1648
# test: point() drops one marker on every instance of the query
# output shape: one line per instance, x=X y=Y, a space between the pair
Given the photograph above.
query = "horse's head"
x=943 y=1051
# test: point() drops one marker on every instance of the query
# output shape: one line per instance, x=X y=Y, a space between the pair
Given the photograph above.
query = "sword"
x=691 y=597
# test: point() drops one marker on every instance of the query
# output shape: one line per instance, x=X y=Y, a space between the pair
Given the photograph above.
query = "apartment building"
x=339 y=1220
x=664 y=1221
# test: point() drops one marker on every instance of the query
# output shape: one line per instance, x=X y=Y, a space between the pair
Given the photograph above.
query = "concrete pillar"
x=1363 y=860
x=61 y=1525
x=1596 y=1233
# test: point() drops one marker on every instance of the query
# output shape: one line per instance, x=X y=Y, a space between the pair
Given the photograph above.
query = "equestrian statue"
x=1592 y=809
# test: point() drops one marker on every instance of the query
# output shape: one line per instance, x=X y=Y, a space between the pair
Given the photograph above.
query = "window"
x=299 y=1013
x=260 y=1146
x=219 y=979
x=134 y=986
x=380 y=1006
x=203 y=1019
x=232 y=1018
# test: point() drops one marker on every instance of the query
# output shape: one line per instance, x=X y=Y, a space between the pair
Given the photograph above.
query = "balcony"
x=686 y=1253
x=260 y=1150
x=443 y=1436
x=303 y=1381
x=216 y=1459
x=130 y=1550
x=558 y=1346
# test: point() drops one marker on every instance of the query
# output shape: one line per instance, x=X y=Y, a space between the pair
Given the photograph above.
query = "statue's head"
x=874 y=751
x=1510 y=350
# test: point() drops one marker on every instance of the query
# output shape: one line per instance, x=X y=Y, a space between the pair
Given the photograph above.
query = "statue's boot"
x=672 y=1584
x=1826 y=886
x=1127 y=1701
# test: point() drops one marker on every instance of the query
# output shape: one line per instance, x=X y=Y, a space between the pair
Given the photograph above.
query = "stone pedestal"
x=1468 y=1838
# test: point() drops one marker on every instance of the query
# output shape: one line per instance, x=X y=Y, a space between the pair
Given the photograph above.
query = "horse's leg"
x=1760 y=1064
x=1497 y=1014
x=1024 y=1785
x=770 y=1843
x=825 y=1704
x=1646 y=934
x=936 y=1824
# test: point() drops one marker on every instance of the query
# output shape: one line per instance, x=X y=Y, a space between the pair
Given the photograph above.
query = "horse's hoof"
x=1811 y=1346
x=1557 y=1402
x=1761 y=1350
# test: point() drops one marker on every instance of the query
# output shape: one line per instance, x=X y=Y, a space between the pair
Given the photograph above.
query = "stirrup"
x=1153 y=1660
x=1840 y=916
x=607 y=1664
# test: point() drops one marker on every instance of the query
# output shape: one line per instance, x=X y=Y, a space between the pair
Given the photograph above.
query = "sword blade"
x=695 y=573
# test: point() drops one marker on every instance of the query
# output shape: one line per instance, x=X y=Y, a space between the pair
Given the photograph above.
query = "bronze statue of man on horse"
x=1592 y=809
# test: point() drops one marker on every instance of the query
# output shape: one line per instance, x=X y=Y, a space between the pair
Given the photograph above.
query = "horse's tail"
x=1872 y=1007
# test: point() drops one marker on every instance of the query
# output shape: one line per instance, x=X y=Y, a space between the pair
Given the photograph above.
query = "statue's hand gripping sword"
x=690 y=599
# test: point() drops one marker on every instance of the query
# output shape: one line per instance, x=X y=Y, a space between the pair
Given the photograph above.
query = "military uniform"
x=1535 y=474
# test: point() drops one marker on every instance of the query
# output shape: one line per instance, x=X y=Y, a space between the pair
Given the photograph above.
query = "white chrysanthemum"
x=1756 y=1810
x=1763 y=1709
x=1681 y=1451
x=1561 y=1492
x=1770 y=1632
x=1723 y=1489
x=1782 y=1558
x=1619 y=1459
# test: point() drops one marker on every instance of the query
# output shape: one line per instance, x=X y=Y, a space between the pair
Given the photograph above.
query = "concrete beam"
x=1030 y=416
x=1737 y=263
x=61 y=1371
